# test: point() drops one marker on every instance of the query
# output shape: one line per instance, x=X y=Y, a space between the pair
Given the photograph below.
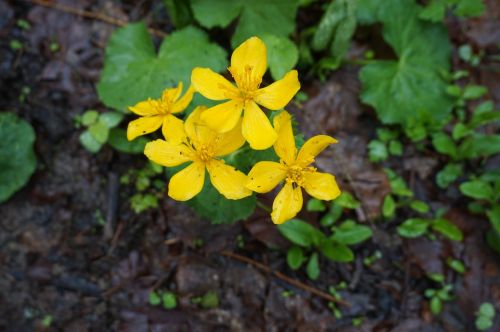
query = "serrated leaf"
x=255 y=18
x=17 y=157
x=133 y=71
x=282 y=55
x=411 y=87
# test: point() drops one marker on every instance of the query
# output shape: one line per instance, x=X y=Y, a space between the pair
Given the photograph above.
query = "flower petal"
x=312 y=147
x=321 y=186
x=181 y=104
x=187 y=183
x=167 y=153
x=212 y=85
x=145 y=108
x=223 y=117
x=172 y=94
x=278 y=94
x=227 y=180
x=264 y=176
x=251 y=54
x=256 y=128
x=287 y=204
x=285 y=144
x=197 y=130
x=143 y=126
x=229 y=142
x=173 y=129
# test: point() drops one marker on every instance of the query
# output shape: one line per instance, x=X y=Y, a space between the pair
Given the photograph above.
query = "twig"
x=89 y=14
x=283 y=277
x=113 y=194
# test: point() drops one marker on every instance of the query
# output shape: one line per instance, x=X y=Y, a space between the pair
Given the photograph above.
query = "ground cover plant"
x=214 y=165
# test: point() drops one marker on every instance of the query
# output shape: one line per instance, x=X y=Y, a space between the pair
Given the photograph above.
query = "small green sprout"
x=485 y=316
x=438 y=295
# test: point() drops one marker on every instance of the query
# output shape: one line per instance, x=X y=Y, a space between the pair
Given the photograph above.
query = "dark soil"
x=68 y=251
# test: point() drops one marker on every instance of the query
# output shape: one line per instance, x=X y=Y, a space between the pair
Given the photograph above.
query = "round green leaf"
x=99 y=131
x=282 y=55
x=295 y=257
x=89 y=142
x=118 y=140
x=299 y=232
x=351 y=233
x=477 y=189
x=89 y=117
x=335 y=251
x=414 y=227
x=111 y=119
x=169 y=300
x=17 y=158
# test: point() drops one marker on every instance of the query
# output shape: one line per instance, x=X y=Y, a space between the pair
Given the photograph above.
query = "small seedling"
x=438 y=295
x=367 y=261
x=208 y=301
x=15 y=45
x=23 y=24
x=47 y=320
x=485 y=316
x=166 y=298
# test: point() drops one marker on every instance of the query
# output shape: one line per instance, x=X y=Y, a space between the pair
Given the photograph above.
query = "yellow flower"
x=248 y=66
x=156 y=113
x=202 y=147
x=295 y=169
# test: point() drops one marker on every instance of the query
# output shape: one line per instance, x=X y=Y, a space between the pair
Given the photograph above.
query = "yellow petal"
x=145 y=108
x=212 y=85
x=167 y=154
x=312 y=147
x=181 y=104
x=321 y=186
x=172 y=94
x=229 y=142
x=187 y=183
x=173 y=129
x=227 y=180
x=264 y=176
x=278 y=94
x=197 y=130
x=285 y=143
x=252 y=54
x=143 y=126
x=256 y=128
x=287 y=204
x=223 y=117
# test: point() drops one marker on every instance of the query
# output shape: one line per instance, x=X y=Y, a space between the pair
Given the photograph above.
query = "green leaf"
x=419 y=206
x=487 y=310
x=479 y=119
x=154 y=299
x=210 y=204
x=411 y=87
x=351 y=233
x=451 y=231
x=295 y=257
x=388 y=207
x=169 y=300
x=89 y=142
x=460 y=131
x=332 y=216
x=436 y=305
x=256 y=17
x=99 y=131
x=479 y=146
x=336 y=29
x=474 y=91
x=445 y=145
x=111 y=119
x=118 y=140
x=483 y=323
x=396 y=148
x=377 y=151
x=477 y=189
x=434 y=11
x=299 y=232
x=456 y=265
x=312 y=268
x=336 y=252
x=413 y=227
x=448 y=174
x=398 y=185
x=133 y=71
x=142 y=202
x=17 y=157
x=210 y=300
x=89 y=117
x=469 y=8
x=493 y=240
x=282 y=55
x=347 y=200
x=315 y=205
x=179 y=12
x=494 y=216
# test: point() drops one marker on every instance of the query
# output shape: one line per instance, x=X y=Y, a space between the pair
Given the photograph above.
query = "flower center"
x=205 y=152
x=295 y=174
x=248 y=83
x=164 y=106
